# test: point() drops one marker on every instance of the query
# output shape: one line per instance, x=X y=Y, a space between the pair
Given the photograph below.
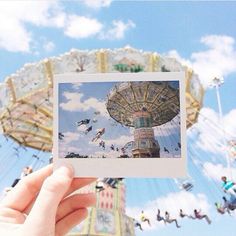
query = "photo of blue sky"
x=80 y=101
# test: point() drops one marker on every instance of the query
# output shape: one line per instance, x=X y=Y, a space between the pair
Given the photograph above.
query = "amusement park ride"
x=26 y=116
x=143 y=105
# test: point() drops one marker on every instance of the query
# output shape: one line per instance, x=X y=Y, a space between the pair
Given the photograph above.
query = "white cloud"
x=169 y=128
x=82 y=128
x=117 y=30
x=14 y=35
x=40 y=13
x=74 y=103
x=216 y=171
x=9 y=33
x=70 y=137
x=76 y=86
x=120 y=141
x=218 y=60
x=65 y=144
x=230 y=124
x=110 y=154
x=172 y=203
x=71 y=104
x=97 y=3
x=74 y=149
x=169 y=155
x=211 y=132
x=82 y=27
x=64 y=150
x=48 y=46
x=175 y=54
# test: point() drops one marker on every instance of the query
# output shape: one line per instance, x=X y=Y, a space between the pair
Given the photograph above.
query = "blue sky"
x=199 y=34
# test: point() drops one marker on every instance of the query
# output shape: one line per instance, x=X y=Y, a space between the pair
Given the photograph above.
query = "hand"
x=41 y=204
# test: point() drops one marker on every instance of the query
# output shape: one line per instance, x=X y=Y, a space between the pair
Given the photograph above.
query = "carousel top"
x=159 y=99
x=26 y=96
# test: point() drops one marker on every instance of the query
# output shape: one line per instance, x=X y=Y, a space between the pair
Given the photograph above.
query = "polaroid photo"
x=121 y=124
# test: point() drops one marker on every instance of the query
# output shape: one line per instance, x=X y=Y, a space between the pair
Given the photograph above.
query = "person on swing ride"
x=232 y=148
x=159 y=217
x=187 y=186
x=98 y=134
x=144 y=218
x=137 y=224
x=112 y=182
x=232 y=200
x=100 y=185
x=83 y=122
x=26 y=171
x=112 y=147
x=88 y=129
x=228 y=186
x=182 y=214
x=231 y=205
x=102 y=144
x=199 y=216
x=166 y=150
x=61 y=136
x=169 y=220
x=221 y=209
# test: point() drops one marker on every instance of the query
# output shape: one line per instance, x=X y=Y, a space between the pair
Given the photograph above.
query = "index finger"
x=26 y=190
x=22 y=196
x=76 y=184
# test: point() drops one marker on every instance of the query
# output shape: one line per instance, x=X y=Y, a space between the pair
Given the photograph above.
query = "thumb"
x=45 y=207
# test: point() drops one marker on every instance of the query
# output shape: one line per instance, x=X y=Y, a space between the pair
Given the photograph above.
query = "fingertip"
x=93 y=198
x=66 y=170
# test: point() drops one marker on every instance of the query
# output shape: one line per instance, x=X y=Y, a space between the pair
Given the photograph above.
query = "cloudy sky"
x=199 y=34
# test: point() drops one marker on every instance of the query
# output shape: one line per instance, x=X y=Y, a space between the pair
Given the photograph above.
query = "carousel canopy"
x=26 y=96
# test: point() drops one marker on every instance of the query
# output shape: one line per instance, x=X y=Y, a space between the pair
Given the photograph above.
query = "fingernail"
x=66 y=170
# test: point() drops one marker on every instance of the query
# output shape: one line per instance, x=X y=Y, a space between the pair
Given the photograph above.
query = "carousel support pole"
x=217 y=83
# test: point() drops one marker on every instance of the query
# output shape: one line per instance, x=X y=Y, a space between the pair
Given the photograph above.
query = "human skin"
x=41 y=204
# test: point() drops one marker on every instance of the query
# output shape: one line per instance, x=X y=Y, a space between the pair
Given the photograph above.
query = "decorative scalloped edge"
x=98 y=61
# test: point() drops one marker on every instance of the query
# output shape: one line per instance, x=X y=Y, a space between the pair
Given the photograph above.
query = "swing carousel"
x=26 y=116
x=143 y=105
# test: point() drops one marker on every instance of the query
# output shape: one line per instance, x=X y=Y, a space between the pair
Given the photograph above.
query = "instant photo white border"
x=127 y=167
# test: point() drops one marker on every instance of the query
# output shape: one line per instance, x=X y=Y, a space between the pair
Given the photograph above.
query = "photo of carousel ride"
x=143 y=114
x=143 y=105
x=26 y=117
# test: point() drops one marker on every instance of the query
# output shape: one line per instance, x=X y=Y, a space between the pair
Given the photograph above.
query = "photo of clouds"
x=119 y=120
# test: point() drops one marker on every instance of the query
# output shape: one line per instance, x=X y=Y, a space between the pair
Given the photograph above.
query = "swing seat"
x=111 y=182
x=233 y=200
x=187 y=186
